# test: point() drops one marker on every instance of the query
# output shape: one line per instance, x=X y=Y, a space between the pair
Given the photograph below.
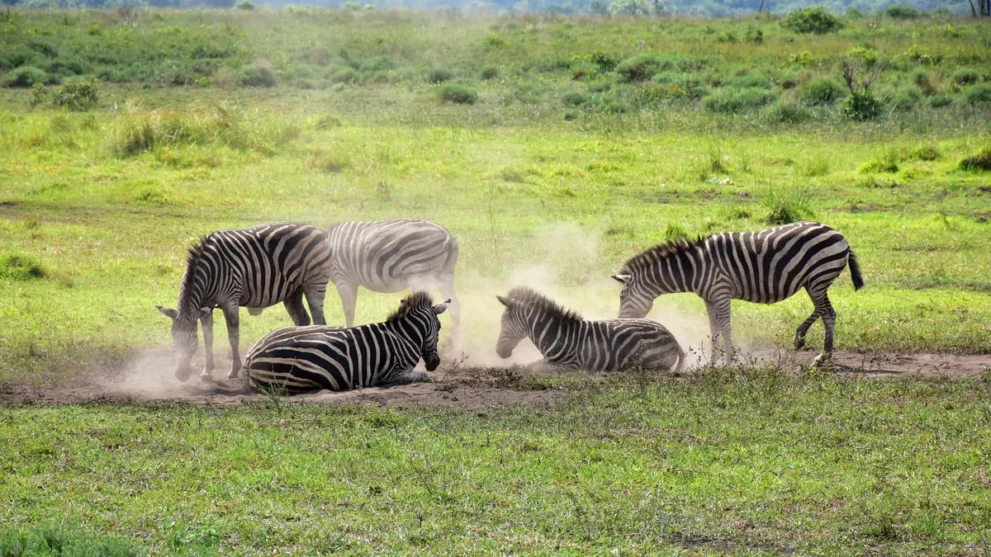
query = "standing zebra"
x=391 y=256
x=568 y=342
x=254 y=267
x=765 y=266
x=310 y=358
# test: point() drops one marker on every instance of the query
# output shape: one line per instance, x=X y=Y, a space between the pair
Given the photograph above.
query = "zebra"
x=391 y=256
x=253 y=267
x=766 y=266
x=569 y=342
x=299 y=359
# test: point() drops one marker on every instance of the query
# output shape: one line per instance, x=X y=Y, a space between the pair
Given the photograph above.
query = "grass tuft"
x=21 y=266
x=980 y=162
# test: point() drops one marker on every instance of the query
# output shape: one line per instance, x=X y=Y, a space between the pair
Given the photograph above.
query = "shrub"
x=966 y=76
x=75 y=94
x=440 y=76
x=981 y=162
x=257 y=75
x=344 y=75
x=245 y=5
x=674 y=232
x=639 y=68
x=812 y=20
x=940 y=101
x=887 y=162
x=822 y=91
x=902 y=12
x=20 y=56
x=905 y=99
x=862 y=106
x=978 y=94
x=573 y=98
x=376 y=64
x=20 y=266
x=460 y=94
x=786 y=206
x=924 y=153
x=678 y=84
x=26 y=76
x=490 y=73
x=731 y=100
x=787 y=112
x=605 y=62
x=330 y=163
x=926 y=81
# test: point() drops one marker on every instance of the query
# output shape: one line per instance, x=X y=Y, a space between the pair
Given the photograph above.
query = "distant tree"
x=630 y=7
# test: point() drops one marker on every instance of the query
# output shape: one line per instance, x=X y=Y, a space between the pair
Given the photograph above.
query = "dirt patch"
x=470 y=388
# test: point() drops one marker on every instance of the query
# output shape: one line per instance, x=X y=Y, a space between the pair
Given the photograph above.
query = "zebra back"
x=382 y=253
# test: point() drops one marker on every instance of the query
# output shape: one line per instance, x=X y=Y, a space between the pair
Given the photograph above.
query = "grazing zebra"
x=391 y=256
x=253 y=267
x=297 y=359
x=765 y=266
x=569 y=342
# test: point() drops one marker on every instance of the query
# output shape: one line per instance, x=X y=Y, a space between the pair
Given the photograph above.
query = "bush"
x=460 y=94
x=902 y=12
x=20 y=56
x=926 y=81
x=731 y=100
x=812 y=20
x=822 y=91
x=573 y=98
x=376 y=64
x=905 y=99
x=862 y=107
x=639 y=68
x=978 y=94
x=344 y=75
x=787 y=112
x=678 y=84
x=52 y=541
x=981 y=162
x=26 y=76
x=966 y=76
x=257 y=75
x=940 y=101
x=490 y=73
x=245 y=5
x=75 y=94
x=440 y=76
x=924 y=153
x=887 y=162
x=786 y=206
x=20 y=266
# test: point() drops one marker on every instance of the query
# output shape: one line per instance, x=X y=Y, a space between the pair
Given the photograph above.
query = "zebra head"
x=419 y=312
x=634 y=300
x=184 y=339
x=513 y=328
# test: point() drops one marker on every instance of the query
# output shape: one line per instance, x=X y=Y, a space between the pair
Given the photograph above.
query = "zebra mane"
x=410 y=304
x=193 y=259
x=661 y=251
x=531 y=297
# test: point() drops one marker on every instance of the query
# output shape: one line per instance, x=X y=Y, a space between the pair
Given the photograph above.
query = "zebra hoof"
x=233 y=373
x=799 y=343
x=821 y=360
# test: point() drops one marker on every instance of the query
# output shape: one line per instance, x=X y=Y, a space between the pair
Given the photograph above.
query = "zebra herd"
x=260 y=266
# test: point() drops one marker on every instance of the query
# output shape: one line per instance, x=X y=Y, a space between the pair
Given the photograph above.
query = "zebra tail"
x=858 y=280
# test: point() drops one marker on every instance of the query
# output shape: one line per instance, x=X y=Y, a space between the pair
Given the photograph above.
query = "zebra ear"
x=503 y=301
x=168 y=312
x=622 y=279
x=441 y=308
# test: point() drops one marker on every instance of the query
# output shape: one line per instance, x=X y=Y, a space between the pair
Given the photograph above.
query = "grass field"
x=539 y=145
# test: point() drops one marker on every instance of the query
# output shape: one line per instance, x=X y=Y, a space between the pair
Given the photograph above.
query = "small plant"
x=905 y=99
x=787 y=111
x=979 y=94
x=21 y=266
x=822 y=91
x=981 y=162
x=812 y=20
x=966 y=76
x=926 y=81
x=331 y=163
x=924 y=153
x=887 y=162
x=460 y=94
x=573 y=98
x=732 y=100
x=440 y=76
x=675 y=232
x=76 y=95
x=940 y=101
x=490 y=73
x=639 y=68
x=786 y=206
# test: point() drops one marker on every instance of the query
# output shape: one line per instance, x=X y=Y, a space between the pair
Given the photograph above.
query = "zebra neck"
x=408 y=333
x=194 y=292
x=676 y=273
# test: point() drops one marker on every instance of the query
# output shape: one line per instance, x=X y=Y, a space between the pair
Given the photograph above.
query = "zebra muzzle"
x=431 y=362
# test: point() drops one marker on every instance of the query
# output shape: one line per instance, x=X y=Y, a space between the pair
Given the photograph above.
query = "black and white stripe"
x=253 y=267
x=569 y=342
x=298 y=359
x=765 y=266
x=392 y=256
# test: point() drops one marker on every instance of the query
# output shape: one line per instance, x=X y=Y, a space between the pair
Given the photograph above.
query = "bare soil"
x=150 y=380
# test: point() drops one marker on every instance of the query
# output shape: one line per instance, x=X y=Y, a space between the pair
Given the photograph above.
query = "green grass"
x=738 y=460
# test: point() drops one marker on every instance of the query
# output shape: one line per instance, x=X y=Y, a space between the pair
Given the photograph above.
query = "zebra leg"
x=348 y=293
x=410 y=377
x=447 y=289
x=804 y=327
x=722 y=329
x=543 y=366
x=233 y=335
x=207 y=321
x=714 y=329
x=294 y=306
x=829 y=322
x=314 y=298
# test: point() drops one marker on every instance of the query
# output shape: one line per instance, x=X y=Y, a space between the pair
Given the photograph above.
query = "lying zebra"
x=298 y=359
x=569 y=342
x=766 y=266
